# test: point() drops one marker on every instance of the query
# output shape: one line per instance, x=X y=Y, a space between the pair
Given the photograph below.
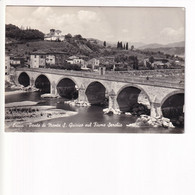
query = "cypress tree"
x=118 y=44
x=127 y=47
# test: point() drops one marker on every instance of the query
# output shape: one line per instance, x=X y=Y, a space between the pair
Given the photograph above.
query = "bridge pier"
x=32 y=81
x=112 y=100
x=81 y=94
x=155 y=110
x=53 y=88
x=15 y=79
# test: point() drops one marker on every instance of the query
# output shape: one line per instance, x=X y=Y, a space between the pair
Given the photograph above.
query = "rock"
x=49 y=95
x=166 y=119
x=153 y=119
x=165 y=124
x=171 y=125
x=77 y=103
x=145 y=120
x=128 y=113
x=111 y=110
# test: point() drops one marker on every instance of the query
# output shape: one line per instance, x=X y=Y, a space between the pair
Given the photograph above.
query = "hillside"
x=77 y=45
x=13 y=32
x=73 y=48
x=70 y=47
x=90 y=50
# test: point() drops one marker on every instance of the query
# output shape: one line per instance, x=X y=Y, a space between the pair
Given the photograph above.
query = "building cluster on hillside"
x=49 y=59
x=43 y=59
x=12 y=62
x=158 y=63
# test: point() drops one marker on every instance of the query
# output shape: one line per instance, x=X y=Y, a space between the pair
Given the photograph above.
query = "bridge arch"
x=99 y=81
x=128 y=96
x=24 y=79
x=67 y=77
x=172 y=107
x=96 y=92
x=43 y=83
x=67 y=87
x=171 y=94
x=48 y=77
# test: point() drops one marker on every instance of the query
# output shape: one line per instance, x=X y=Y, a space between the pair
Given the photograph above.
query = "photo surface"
x=94 y=69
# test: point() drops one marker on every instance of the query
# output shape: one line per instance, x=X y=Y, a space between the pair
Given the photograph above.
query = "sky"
x=112 y=24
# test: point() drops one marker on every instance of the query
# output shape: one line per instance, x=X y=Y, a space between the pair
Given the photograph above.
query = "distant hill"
x=137 y=45
x=156 y=45
x=177 y=48
x=180 y=51
x=176 y=44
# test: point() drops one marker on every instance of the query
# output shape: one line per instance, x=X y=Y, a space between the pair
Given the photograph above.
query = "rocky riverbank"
x=78 y=103
x=12 y=88
x=18 y=104
x=16 y=116
x=148 y=121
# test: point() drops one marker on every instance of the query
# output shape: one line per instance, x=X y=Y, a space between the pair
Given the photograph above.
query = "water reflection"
x=85 y=116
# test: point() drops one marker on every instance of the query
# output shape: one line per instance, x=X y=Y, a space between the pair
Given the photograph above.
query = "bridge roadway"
x=156 y=88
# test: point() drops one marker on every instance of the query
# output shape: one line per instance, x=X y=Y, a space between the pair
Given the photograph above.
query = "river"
x=88 y=120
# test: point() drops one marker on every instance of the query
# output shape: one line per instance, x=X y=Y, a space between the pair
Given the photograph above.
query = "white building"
x=94 y=63
x=75 y=60
x=37 y=60
x=42 y=58
x=54 y=35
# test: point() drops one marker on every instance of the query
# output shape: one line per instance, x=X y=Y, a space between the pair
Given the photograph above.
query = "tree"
x=13 y=31
x=132 y=47
x=127 y=46
x=133 y=62
x=118 y=45
x=104 y=43
x=121 y=45
x=78 y=37
x=68 y=36
x=151 y=59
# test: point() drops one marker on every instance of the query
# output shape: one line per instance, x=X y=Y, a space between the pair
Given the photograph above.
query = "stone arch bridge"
x=156 y=90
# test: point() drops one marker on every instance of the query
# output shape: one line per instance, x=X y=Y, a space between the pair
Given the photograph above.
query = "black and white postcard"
x=94 y=69
x=97 y=97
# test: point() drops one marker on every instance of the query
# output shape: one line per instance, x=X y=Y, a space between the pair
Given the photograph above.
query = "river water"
x=87 y=120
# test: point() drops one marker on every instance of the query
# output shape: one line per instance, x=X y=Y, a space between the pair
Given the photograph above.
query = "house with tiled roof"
x=40 y=59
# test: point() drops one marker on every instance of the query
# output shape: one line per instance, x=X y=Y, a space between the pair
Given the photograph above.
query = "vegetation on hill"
x=14 y=32
x=24 y=42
